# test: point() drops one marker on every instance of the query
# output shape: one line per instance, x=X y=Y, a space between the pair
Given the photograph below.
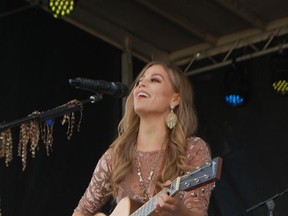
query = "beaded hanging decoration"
x=69 y=119
x=47 y=134
x=23 y=142
x=6 y=147
x=30 y=132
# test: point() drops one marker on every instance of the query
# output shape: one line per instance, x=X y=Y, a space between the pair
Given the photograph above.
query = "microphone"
x=115 y=89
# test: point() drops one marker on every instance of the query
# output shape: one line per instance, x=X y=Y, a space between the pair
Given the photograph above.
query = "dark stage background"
x=39 y=54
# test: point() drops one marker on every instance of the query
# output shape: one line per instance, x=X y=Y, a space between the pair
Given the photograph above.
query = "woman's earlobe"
x=176 y=100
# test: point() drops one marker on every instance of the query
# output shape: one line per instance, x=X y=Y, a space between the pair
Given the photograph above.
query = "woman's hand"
x=170 y=206
x=167 y=205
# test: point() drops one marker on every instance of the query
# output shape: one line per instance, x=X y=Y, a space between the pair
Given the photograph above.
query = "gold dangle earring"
x=171 y=119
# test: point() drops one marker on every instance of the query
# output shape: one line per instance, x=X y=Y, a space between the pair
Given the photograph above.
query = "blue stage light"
x=234 y=100
x=236 y=92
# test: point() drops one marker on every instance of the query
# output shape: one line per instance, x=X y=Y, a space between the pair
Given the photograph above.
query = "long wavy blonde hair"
x=128 y=128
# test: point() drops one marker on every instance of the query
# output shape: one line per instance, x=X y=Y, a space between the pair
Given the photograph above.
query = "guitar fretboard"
x=149 y=206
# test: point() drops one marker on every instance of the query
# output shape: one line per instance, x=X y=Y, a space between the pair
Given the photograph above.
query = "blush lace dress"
x=197 y=153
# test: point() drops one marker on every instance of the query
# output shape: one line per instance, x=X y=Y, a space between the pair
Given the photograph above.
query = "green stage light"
x=280 y=86
x=61 y=8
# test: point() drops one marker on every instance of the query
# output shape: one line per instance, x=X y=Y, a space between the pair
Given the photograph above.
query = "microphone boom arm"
x=50 y=114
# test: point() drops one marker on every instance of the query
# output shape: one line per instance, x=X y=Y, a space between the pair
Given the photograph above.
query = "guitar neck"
x=149 y=206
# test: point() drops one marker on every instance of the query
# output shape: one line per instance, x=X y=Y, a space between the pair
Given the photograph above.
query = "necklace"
x=145 y=184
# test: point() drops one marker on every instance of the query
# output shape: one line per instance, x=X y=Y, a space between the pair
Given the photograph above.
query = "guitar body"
x=125 y=207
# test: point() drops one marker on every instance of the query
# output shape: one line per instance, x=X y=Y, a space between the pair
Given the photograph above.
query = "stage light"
x=279 y=73
x=280 y=86
x=234 y=100
x=236 y=92
x=61 y=8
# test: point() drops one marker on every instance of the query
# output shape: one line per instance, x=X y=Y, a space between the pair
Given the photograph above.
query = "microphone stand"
x=56 y=112
x=269 y=203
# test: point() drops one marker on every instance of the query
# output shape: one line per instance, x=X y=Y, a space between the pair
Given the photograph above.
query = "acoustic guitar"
x=207 y=173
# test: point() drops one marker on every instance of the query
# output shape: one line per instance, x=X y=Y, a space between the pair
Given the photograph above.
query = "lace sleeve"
x=198 y=153
x=95 y=195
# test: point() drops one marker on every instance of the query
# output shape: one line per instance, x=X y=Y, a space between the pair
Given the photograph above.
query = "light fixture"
x=61 y=8
x=279 y=73
x=236 y=91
